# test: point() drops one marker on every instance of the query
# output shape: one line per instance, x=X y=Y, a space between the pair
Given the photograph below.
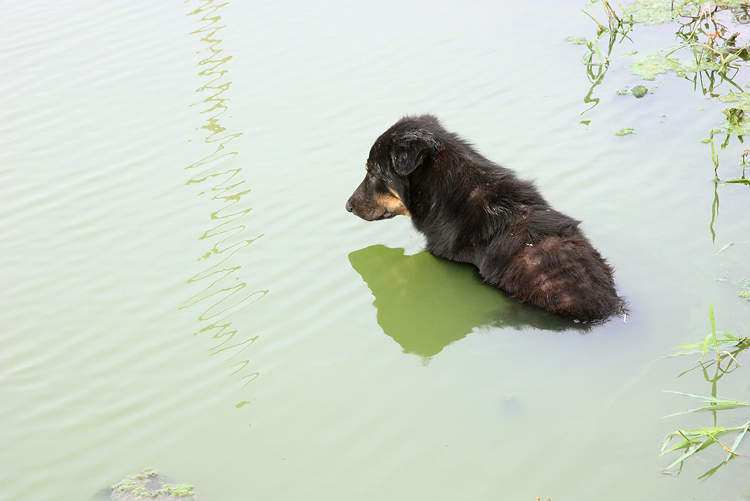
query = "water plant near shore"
x=726 y=347
x=712 y=51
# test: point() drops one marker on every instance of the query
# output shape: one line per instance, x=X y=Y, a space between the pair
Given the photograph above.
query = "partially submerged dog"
x=474 y=211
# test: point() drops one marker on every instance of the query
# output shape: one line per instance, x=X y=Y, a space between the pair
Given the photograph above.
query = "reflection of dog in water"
x=425 y=303
x=474 y=211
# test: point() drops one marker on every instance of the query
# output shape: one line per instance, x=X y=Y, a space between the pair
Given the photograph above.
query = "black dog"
x=474 y=211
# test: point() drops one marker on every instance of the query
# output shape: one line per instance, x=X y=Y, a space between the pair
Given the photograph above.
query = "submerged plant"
x=698 y=439
x=597 y=61
x=703 y=34
x=621 y=24
x=650 y=65
x=638 y=91
x=738 y=115
x=726 y=348
x=148 y=484
x=652 y=11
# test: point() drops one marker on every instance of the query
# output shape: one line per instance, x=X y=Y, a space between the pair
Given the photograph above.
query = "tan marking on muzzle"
x=392 y=203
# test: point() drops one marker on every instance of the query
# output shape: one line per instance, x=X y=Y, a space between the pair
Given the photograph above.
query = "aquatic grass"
x=714 y=404
x=625 y=131
x=717 y=61
x=597 y=60
x=615 y=24
x=706 y=32
x=726 y=347
x=714 y=157
x=698 y=439
x=711 y=42
x=708 y=36
x=715 y=58
x=721 y=345
x=743 y=179
x=650 y=12
x=617 y=28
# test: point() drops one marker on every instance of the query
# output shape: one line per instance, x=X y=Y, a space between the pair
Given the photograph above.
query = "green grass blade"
x=737 y=443
x=667 y=439
x=716 y=404
x=687 y=454
x=681 y=459
x=728 y=337
x=683 y=444
x=713 y=327
x=705 y=345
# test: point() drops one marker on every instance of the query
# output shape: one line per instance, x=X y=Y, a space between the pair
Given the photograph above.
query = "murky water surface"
x=182 y=288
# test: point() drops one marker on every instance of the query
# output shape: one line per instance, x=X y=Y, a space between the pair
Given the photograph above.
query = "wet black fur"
x=474 y=211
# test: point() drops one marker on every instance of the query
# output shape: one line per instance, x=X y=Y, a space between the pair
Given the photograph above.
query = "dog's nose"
x=349 y=205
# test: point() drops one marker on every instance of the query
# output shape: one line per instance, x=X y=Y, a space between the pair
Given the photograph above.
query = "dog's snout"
x=349 y=205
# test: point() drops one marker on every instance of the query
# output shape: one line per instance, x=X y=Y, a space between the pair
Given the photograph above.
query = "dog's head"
x=409 y=144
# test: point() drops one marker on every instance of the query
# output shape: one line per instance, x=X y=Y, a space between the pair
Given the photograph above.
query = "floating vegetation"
x=638 y=91
x=625 y=131
x=615 y=24
x=597 y=61
x=652 y=11
x=147 y=485
x=709 y=42
x=712 y=52
x=726 y=348
x=743 y=287
x=735 y=116
x=738 y=116
x=650 y=65
x=698 y=439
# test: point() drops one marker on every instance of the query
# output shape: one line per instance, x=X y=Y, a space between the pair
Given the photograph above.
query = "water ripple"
x=227 y=234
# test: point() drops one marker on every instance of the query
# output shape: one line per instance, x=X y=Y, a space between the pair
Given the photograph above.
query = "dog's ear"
x=413 y=149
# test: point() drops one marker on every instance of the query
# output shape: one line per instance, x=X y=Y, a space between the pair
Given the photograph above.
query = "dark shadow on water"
x=426 y=303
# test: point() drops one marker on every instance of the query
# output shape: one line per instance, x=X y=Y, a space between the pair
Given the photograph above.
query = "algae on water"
x=147 y=485
x=712 y=53
x=638 y=91
x=737 y=121
x=740 y=100
x=650 y=65
x=653 y=11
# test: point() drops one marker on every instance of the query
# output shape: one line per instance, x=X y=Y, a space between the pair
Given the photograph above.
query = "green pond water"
x=182 y=288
